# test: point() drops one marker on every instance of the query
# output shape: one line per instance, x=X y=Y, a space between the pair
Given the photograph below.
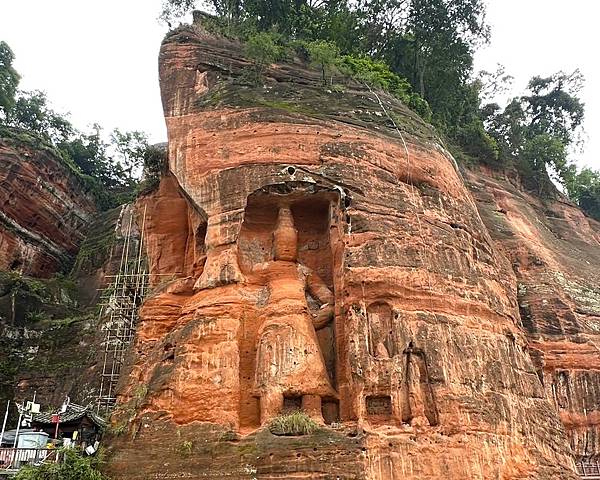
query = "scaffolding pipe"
x=121 y=301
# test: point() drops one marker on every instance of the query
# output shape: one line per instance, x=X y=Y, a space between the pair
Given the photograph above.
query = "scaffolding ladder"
x=120 y=303
x=588 y=467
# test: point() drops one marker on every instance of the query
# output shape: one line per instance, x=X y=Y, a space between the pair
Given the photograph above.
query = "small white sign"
x=32 y=407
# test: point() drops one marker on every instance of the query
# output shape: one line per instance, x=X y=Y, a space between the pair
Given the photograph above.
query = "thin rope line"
x=412 y=188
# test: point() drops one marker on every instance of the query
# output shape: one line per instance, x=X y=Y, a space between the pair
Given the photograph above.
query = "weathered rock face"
x=555 y=253
x=44 y=216
x=50 y=331
x=44 y=209
x=306 y=254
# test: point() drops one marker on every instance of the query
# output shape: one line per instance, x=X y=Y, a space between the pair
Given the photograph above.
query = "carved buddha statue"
x=289 y=362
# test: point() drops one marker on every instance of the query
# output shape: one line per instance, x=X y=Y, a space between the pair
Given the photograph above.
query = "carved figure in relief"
x=381 y=340
x=289 y=361
x=420 y=408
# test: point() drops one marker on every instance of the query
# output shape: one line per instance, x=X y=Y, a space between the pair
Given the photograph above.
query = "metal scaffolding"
x=120 y=303
x=588 y=467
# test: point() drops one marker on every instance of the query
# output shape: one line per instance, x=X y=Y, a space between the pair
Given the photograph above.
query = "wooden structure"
x=83 y=420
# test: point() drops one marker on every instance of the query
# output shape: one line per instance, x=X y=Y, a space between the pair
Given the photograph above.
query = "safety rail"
x=12 y=459
x=588 y=469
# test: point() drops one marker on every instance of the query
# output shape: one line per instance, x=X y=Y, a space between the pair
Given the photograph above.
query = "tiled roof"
x=74 y=412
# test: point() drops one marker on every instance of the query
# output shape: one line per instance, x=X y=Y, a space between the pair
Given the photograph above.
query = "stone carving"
x=289 y=360
x=381 y=335
x=379 y=407
x=273 y=183
x=419 y=407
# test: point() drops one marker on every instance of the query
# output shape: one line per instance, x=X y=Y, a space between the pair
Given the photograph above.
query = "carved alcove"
x=309 y=212
x=379 y=408
x=382 y=342
x=419 y=404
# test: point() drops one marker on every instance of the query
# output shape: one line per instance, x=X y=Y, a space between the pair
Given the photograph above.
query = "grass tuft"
x=293 y=424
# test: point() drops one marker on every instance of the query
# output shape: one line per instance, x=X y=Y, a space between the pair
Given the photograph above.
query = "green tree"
x=491 y=85
x=32 y=112
x=534 y=131
x=584 y=188
x=89 y=152
x=553 y=106
x=589 y=200
x=326 y=56
x=263 y=50
x=429 y=42
x=581 y=181
x=155 y=165
x=172 y=9
x=112 y=169
x=9 y=79
x=116 y=164
x=542 y=154
x=131 y=149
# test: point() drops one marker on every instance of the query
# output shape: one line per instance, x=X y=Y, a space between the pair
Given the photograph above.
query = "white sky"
x=98 y=60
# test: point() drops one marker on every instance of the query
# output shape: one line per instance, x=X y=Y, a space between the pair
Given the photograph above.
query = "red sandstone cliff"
x=50 y=333
x=452 y=330
x=555 y=253
x=44 y=208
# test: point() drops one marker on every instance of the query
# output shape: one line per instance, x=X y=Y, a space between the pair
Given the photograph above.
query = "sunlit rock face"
x=44 y=208
x=307 y=255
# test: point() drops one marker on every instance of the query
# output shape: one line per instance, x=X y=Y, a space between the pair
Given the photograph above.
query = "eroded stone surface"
x=44 y=210
x=429 y=369
x=554 y=250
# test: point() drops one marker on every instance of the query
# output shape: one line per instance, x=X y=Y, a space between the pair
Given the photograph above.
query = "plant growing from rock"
x=326 y=56
x=185 y=448
x=263 y=50
x=293 y=424
x=72 y=467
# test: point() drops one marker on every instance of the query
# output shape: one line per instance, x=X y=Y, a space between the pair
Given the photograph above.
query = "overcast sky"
x=98 y=60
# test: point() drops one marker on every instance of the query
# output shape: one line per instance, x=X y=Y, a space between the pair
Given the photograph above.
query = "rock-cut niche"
x=382 y=343
x=419 y=406
x=287 y=348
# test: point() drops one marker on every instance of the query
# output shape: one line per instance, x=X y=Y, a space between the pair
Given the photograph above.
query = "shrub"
x=72 y=467
x=155 y=166
x=263 y=50
x=326 y=55
x=292 y=424
x=476 y=142
x=185 y=448
x=377 y=73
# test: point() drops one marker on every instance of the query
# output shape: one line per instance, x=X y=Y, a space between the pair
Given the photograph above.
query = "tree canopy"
x=418 y=50
x=113 y=167
x=422 y=52
x=9 y=79
x=534 y=131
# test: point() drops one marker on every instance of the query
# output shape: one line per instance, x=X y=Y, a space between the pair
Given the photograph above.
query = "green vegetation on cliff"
x=74 y=466
x=293 y=423
x=422 y=52
x=39 y=318
x=110 y=170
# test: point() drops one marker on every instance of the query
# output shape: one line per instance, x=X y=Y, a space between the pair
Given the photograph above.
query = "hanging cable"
x=412 y=187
